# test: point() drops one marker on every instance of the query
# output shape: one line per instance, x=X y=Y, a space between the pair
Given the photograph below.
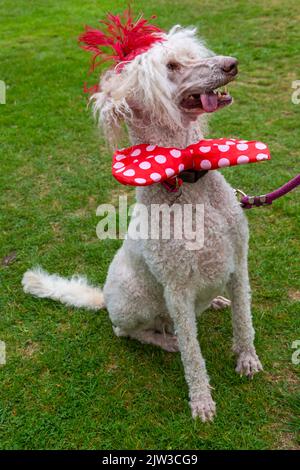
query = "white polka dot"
x=140 y=180
x=150 y=148
x=223 y=162
x=129 y=173
x=229 y=142
x=262 y=156
x=121 y=169
x=150 y=156
x=136 y=152
x=155 y=176
x=120 y=157
x=118 y=165
x=160 y=159
x=223 y=148
x=242 y=159
x=181 y=167
x=169 y=171
x=175 y=153
x=204 y=149
x=243 y=141
x=135 y=161
x=205 y=165
x=145 y=165
x=260 y=146
x=242 y=146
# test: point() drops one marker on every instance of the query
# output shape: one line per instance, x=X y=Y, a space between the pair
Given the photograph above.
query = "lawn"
x=69 y=383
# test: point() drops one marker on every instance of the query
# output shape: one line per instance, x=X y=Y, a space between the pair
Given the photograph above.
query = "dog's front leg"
x=248 y=362
x=181 y=308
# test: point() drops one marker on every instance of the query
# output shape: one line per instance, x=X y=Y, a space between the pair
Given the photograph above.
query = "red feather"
x=121 y=40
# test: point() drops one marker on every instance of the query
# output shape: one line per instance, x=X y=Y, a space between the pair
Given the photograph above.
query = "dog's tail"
x=76 y=291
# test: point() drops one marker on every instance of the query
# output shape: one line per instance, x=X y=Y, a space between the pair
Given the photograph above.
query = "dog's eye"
x=173 y=66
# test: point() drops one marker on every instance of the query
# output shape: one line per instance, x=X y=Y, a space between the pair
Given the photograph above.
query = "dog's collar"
x=172 y=185
x=192 y=176
x=145 y=164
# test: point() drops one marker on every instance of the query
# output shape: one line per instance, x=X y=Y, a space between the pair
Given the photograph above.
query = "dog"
x=156 y=288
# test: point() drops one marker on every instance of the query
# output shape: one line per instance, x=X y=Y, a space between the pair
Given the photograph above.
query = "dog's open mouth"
x=208 y=102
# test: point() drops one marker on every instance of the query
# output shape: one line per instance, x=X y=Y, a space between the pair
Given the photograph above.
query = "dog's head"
x=172 y=83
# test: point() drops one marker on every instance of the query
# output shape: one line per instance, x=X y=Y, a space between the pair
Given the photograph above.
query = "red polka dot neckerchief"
x=144 y=164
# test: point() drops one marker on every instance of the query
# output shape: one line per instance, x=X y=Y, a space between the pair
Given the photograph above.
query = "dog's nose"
x=229 y=65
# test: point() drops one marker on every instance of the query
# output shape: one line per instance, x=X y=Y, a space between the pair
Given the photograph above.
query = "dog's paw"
x=220 y=302
x=204 y=408
x=248 y=364
x=169 y=342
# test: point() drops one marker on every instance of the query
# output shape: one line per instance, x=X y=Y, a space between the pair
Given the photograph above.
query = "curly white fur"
x=76 y=292
x=155 y=288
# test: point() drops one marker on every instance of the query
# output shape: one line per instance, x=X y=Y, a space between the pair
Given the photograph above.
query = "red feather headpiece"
x=122 y=39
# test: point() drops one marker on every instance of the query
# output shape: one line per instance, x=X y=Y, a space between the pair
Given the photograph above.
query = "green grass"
x=69 y=383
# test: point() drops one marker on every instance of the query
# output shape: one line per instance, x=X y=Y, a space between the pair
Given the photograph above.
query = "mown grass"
x=69 y=383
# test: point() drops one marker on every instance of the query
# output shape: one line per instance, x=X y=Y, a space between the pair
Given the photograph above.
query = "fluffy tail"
x=75 y=292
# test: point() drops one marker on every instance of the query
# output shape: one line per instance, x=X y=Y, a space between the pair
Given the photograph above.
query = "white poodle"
x=156 y=288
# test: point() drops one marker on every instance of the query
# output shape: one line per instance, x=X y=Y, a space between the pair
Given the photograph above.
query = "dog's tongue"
x=209 y=102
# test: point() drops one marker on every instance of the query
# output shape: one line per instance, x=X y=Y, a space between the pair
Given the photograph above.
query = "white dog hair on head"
x=147 y=84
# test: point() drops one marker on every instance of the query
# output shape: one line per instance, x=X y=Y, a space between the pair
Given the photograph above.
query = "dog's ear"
x=109 y=109
x=105 y=111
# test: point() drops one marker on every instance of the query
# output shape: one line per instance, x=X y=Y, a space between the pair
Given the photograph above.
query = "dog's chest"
x=200 y=245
